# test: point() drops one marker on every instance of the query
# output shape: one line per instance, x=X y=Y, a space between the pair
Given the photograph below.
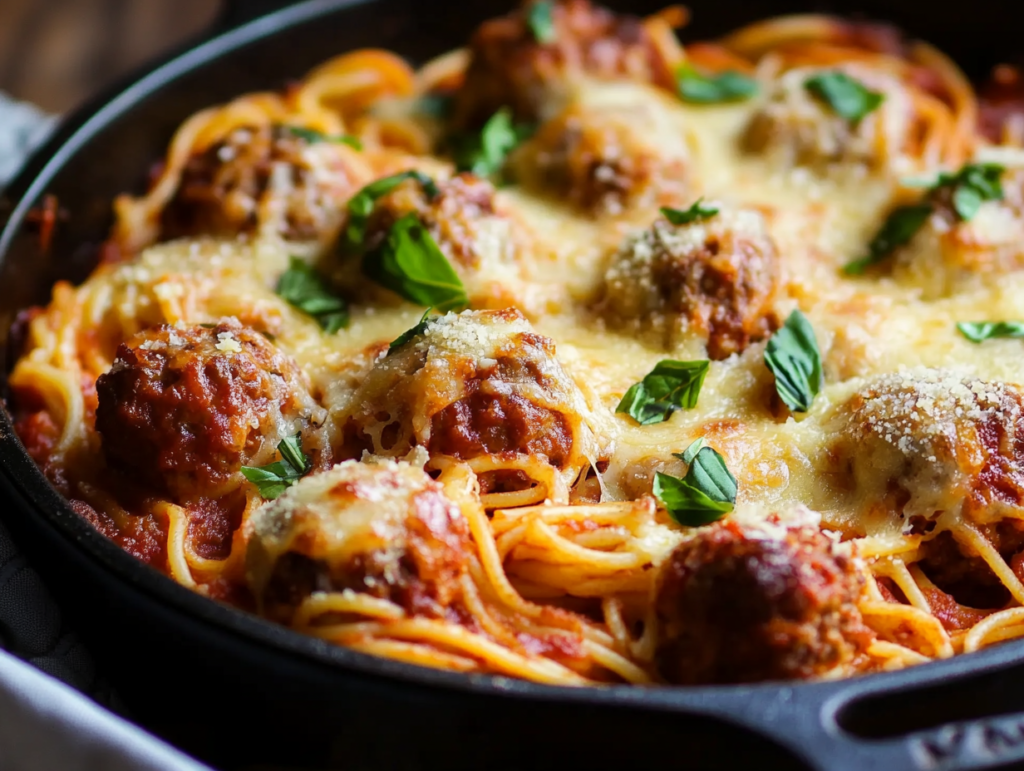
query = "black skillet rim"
x=40 y=499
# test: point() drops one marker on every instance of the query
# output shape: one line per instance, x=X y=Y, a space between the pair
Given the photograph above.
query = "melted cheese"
x=356 y=508
x=819 y=221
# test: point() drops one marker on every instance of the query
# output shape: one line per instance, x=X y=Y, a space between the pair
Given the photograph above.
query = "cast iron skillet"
x=238 y=691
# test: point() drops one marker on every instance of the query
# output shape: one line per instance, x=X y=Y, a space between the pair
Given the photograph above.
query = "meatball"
x=930 y=441
x=747 y=603
x=264 y=179
x=1001 y=106
x=716 y=278
x=484 y=245
x=183 y=408
x=610 y=151
x=509 y=67
x=949 y=255
x=480 y=387
x=795 y=128
x=382 y=528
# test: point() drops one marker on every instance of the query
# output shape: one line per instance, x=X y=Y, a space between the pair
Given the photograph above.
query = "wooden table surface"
x=56 y=53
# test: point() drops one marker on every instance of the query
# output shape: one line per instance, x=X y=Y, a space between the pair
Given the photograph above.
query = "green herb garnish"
x=411 y=264
x=540 y=18
x=899 y=228
x=730 y=86
x=410 y=334
x=484 y=154
x=694 y=214
x=848 y=97
x=974 y=184
x=704 y=495
x=275 y=478
x=670 y=386
x=304 y=288
x=360 y=207
x=313 y=136
x=980 y=331
x=435 y=105
x=793 y=357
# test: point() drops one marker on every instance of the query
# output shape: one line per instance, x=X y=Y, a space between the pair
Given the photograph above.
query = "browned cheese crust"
x=404 y=541
x=718 y=279
x=481 y=383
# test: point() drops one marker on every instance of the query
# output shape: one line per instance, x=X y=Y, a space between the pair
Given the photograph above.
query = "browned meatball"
x=607 y=155
x=183 y=408
x=923 y=442
x=257 y=177
x=743 y=604
x=715 y=278
x=792 y=127
x=453 y=216
x=1001 y=105
x=484 y=244
x=475 y=386
x=380 y=528
x=950 y=255
x=509 y=67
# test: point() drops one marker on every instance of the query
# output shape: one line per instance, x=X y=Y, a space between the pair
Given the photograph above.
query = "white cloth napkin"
x=46 y=726
x=22 y=129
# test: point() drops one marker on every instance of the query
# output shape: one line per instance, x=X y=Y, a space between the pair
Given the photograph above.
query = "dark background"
x=56 y=53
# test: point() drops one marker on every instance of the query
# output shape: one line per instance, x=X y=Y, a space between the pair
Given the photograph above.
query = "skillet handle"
x=235 y=13
x=927 y=722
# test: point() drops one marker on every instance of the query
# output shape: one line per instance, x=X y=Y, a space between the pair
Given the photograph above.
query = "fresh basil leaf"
x=435 y=105
x=847 y=97
x=694 y=214
x=304 y=288
x=926 y=181
x=899 y=228
x=986 y=178
x=974 y=184
x=979 y=331
x=361 y=205
x=540 y=18
x=730 y=86
x=966 y=201
x=670 y=386
x=274 y=478
x=410 y=334
x=411 y=264
x=385 y=185
x=270 y=480
x=484 y=154
x=793 y=357
x=705 y=494
x=313 y=136
x=292 y=454
x=690 y=452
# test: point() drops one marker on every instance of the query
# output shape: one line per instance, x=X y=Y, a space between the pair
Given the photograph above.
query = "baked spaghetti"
x=576 y=355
